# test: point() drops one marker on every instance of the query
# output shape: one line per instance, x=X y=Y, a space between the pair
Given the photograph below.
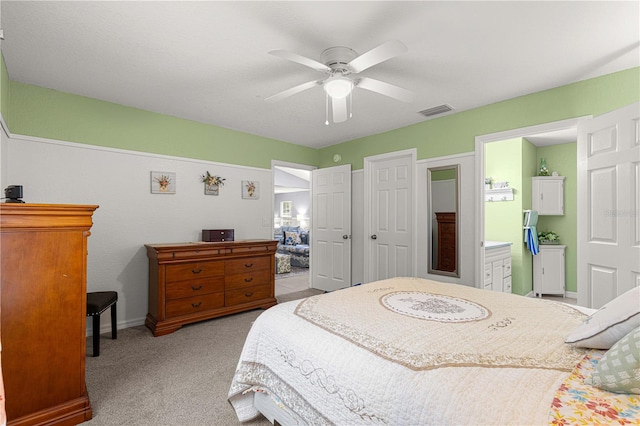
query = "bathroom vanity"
x=497 y=266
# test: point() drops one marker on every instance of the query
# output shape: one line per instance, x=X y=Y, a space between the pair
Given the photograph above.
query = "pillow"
x=288 y=228
x=304 y=237
x=609 y=323
x=619 y=369
x=291 y=238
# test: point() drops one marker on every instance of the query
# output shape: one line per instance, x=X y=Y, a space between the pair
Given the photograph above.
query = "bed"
x=410 y=351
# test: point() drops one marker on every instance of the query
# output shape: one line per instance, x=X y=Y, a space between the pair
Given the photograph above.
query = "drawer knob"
x=194 y=288
x=248 y=280
x=196 y=272
x=196 y=305
x=248 y=265
x=249 y=294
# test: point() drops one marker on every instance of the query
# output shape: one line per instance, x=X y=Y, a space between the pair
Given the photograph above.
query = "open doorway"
x=291 y=226
x=511 y=159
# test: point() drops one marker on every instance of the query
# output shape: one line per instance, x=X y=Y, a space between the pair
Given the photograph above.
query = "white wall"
x=129 y=215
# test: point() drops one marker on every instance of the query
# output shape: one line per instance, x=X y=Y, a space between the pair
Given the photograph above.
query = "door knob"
x=374 y=237
x=345 y=237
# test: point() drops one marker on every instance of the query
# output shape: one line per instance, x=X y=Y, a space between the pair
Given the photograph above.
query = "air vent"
x=440 y=109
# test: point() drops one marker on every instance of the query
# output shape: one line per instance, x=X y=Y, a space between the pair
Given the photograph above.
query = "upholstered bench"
x=283 y=263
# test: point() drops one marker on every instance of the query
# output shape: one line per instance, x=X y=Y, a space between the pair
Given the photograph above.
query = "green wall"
x=455 y=133
x=563 y=159
x=36 y=111
x=503 y=219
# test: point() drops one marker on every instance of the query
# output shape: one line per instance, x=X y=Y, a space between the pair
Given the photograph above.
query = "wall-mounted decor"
x=250 y=189
x=163 y=183
x=212 y=183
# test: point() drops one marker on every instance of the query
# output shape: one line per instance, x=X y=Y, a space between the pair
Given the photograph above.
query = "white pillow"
x=610 y=323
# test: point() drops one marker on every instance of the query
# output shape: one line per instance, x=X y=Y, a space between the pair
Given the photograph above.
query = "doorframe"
x=368 y=162
x=480 y=142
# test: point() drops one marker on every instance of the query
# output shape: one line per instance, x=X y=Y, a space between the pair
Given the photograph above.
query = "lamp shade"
x=338 y=87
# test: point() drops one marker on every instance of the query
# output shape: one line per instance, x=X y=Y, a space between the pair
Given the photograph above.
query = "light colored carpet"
x=179 y=379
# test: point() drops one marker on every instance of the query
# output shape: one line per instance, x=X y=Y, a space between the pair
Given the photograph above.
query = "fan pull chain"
x=351 y=104
x=326 y=121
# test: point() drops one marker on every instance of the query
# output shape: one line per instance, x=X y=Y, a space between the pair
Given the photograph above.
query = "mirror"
x=442 y=224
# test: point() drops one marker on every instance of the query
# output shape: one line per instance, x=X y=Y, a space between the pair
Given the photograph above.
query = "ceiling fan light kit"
x=338 y=87
x=340 y=63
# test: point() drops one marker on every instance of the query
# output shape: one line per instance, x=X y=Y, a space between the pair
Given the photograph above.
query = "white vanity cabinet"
x=497 y=266
x=548 y=270
x=547 y=195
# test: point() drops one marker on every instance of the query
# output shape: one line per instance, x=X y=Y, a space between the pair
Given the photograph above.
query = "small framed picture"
x=163 y=182
x=211 y=189
x=250 y=189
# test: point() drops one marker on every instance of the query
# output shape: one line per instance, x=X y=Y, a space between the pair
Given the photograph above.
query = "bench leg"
x=114 y=322
x=96 y=335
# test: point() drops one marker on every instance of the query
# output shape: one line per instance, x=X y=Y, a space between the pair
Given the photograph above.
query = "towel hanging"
x=531 y=231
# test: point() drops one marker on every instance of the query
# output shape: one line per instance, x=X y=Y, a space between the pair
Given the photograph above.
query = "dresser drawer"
x=239 y=266
x=248 y=279
x=195 y=270
x=197 y=287
x=194 y=304
x=246 y=295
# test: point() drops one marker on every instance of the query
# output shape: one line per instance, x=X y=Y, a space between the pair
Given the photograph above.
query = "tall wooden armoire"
x=43 y=312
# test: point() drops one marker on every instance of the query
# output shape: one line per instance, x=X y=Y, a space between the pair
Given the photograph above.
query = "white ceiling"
x=207 y=60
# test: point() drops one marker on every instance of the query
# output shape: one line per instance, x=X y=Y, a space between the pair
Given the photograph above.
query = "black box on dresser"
x=215 y=235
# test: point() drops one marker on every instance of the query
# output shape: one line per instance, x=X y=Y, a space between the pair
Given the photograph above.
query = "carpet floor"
x=179 y=379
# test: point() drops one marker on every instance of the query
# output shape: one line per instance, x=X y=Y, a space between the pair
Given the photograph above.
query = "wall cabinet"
x=497 y=266
x=43 y=312
x=191 y=282
x=547 y=195
x=548 y=270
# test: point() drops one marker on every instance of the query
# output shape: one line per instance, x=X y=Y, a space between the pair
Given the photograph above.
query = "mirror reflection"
x=443 y=193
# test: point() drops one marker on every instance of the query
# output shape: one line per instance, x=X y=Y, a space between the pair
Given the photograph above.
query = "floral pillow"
x=619 y=368
x=291 y=238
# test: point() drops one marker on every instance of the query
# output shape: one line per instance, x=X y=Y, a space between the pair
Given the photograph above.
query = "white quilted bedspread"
x=408 y=351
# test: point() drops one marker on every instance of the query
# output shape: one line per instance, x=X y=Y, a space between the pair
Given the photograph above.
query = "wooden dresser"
x=191 y=282
x=43 y=312
x=446 y=241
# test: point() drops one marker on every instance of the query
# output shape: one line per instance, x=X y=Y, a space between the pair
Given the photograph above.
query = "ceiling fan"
x=342 y=64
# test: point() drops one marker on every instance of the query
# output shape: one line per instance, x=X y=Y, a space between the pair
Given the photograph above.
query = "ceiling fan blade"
x=386 y=89
x=294 y=57
x=339 y=108
x=376 y=55
x=294 y=90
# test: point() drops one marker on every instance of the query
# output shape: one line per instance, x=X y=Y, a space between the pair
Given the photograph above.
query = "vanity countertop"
x=495 y=244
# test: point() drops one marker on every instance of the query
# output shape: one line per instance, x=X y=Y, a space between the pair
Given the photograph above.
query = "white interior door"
x=331 y=228
x=390 y=237
x=608 y=206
